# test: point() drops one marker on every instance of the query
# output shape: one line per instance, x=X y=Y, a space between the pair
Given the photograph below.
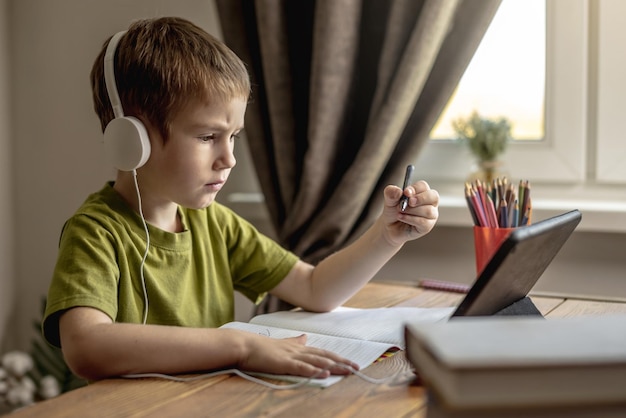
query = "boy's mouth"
x=215 y=186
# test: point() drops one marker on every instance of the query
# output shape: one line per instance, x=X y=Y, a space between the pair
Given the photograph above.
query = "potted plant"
x=30 y=376
x=487 y=140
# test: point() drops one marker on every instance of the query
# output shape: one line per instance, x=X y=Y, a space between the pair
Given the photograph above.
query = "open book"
x=360 y=335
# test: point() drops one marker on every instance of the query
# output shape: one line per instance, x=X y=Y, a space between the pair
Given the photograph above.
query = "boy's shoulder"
x=106 y=202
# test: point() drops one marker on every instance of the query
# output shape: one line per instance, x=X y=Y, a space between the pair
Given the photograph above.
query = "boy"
x=178 y=270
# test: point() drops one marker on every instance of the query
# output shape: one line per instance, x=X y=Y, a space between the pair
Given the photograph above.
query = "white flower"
x=4 y=387
x=17 y=389
x=49 y=387
x=17 y=363
x=20 y=395
x=28 y=383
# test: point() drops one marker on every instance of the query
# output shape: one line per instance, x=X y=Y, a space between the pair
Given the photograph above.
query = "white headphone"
x=126 y=142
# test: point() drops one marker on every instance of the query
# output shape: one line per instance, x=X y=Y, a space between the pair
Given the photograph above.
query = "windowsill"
x=598 y=216
x=603 y=208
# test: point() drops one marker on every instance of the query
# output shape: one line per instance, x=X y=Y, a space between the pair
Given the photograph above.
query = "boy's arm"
x=339 y=276
x=94 y=348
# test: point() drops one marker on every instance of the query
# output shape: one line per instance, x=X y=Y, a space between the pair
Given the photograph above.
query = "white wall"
x=7 y=270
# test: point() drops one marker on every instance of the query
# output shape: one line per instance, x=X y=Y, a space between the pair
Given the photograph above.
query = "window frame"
x=608 y=27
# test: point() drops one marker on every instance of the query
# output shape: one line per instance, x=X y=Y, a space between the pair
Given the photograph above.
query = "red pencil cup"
x=486 y=242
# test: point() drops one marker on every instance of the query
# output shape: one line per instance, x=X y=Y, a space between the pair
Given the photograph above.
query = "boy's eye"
x=207 y=138
x=216 y=137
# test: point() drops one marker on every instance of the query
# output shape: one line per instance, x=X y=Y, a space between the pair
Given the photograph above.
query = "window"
x=581 y=162
x=506 y=76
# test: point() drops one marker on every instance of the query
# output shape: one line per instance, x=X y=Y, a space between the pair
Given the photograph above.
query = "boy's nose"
x=227 y=158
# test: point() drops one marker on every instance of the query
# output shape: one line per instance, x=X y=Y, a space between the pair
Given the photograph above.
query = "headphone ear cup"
x=126 y=143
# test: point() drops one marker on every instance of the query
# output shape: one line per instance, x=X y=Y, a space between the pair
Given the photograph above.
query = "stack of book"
x=521 y=366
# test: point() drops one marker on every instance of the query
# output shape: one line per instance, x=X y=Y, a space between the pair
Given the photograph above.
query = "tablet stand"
x=523 y=306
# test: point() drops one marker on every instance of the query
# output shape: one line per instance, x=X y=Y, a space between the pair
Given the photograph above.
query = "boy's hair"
x=160 y=65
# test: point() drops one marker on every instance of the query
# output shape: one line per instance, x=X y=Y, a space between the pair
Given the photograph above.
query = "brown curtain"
x=345 y=93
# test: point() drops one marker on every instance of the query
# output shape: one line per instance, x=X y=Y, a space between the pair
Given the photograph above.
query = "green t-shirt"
x=190 y=276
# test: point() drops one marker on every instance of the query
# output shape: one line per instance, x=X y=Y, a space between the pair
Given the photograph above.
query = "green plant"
x=486 y=138
x=29 y=377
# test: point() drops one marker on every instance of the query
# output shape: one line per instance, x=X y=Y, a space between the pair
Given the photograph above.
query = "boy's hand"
x=291 y=356
x=420 y=215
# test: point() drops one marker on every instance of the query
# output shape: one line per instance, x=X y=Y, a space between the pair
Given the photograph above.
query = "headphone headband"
x=109 y=74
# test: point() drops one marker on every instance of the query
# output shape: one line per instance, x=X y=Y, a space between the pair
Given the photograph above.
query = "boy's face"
x=195 y=161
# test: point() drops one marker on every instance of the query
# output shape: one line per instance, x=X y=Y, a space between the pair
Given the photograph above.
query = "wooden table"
x=232 y=396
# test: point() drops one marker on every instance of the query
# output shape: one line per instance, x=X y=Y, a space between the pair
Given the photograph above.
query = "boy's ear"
x=126 y=141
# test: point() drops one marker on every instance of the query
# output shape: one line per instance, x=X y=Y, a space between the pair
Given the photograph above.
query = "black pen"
x=404 y=200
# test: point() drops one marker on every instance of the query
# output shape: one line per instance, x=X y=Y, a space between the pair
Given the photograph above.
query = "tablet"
x=517 y=265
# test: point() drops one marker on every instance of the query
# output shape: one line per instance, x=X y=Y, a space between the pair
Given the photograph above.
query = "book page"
x=385 y=325
x=361 y=352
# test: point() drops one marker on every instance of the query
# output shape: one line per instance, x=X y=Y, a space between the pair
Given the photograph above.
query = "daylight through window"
x=506 y=77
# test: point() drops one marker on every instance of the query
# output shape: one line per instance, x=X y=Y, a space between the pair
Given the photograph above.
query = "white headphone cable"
x=398 y=378
x=145 y=255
